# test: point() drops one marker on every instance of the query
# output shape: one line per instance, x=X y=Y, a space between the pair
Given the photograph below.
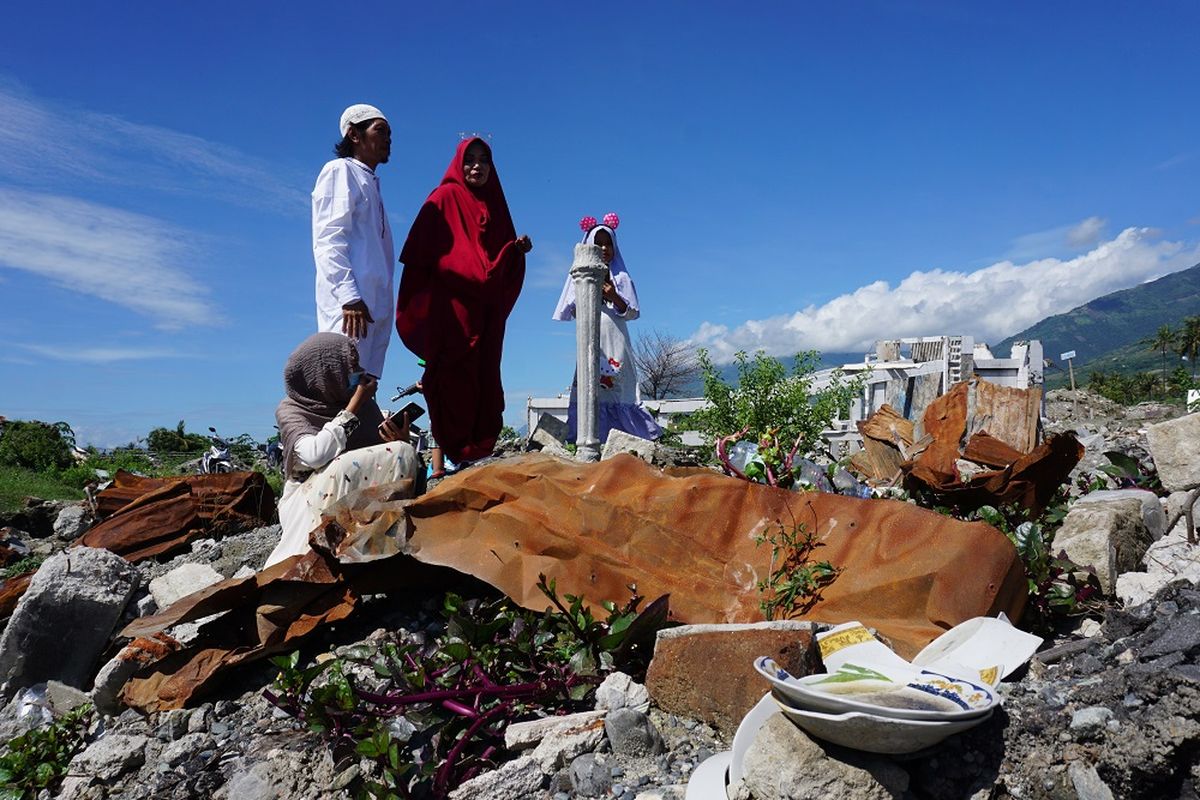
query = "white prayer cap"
x=359 y=113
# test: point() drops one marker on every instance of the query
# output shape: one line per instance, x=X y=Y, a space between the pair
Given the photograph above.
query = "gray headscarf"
x=316 y=380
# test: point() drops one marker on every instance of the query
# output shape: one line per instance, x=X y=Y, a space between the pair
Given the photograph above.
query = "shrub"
x=36 y=445
x=779 y=412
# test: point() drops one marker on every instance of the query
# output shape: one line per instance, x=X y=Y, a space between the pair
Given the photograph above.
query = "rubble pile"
x=1109 y=709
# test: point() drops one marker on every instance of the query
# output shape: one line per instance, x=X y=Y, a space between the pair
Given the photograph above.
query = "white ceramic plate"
x=755 y=718
x=926 y=695
x=876 y=734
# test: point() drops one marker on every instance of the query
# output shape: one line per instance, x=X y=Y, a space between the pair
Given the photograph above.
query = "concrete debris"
x=618 y=690
x=1175 y=446
x=550 y=435
x=631 y=733
x=724 y=696
x=516 y=780
x=71 y=522
x=523 y=735
x=1108 y=534
x=784 y=763
x=182 y=581
x=77 y=596
x=1169 y=559
x=622 y=442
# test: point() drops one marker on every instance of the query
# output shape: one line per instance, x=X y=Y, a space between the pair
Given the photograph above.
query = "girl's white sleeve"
x=318 y=449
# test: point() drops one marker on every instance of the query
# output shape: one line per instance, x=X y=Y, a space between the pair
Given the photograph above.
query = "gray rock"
x=631 y=733
x=621 y=442
x=1152 y=511
x=172 y=724
x=1094 y=532
x=557 y=749
x=1169 y=559
x=1175 y=447
x=1181 y=636
x=783 y=763
x=185 y=747
x=72 y=522
x=77 y=596
x=1087 y=782
x=182 y=581
x=591 y=775
x=621 y=691
x=550 y=434
x=110 y=757
x=1090 y=719
x=522 y=735
x=63 y=698
x=513 y=781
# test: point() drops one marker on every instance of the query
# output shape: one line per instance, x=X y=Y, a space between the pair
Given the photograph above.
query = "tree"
x=1189 y=341
x=1163 y=340
x=665 y=365
x=165 y=440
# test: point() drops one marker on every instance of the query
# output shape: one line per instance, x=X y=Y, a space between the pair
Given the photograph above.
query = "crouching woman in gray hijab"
x=334 y=437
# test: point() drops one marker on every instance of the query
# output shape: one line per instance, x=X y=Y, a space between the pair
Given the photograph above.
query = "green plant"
x=430 y=715
x=780 y=412
x=793 y=582
x=38 y=760
x=27 y=564
x=1056 y=585
x=38 y=446
x=1128 y=472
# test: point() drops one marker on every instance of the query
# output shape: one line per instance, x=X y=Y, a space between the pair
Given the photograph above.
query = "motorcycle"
x=218 y=458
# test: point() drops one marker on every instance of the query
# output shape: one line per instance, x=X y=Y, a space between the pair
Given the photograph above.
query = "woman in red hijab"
x=463 y=269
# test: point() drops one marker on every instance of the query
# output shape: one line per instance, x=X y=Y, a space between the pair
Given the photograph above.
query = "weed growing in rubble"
x=37 y=760
x=793 y=583
x=1057 y=586
x=432 y=714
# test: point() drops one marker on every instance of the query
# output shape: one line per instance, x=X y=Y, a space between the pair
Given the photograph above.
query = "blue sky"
x=789 y=176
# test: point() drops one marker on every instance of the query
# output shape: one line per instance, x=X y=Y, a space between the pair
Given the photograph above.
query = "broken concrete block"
x=110 y=757
x=63 y=698
x=622 y=442
x=516 y=779
x=1169 y=559
x=520 y=735
x=71 y=522
x=621 y=691
x=180 y=582
x=706 y=672
x=1175 y=447
x=1108 y=535
x=550 y=433
x=75 y=599
x=1152 y=510
x=555 y=752
x=784 y=762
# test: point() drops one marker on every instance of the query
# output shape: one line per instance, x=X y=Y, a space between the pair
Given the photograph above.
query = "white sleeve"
x=333 y=200
x=318 y=449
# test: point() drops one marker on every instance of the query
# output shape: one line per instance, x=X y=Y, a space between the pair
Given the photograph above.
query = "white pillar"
x=588 y=271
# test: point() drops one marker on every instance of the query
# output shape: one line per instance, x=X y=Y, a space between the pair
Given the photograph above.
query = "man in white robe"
x=352 y=239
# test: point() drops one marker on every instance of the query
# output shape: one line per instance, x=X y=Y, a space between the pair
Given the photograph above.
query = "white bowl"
x=915 y=695
x=874 y=733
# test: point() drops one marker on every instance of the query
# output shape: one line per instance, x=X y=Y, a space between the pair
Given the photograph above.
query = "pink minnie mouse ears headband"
x=610 y=219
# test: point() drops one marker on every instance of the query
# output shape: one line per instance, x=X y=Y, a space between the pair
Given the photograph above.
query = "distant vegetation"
x=39 y=459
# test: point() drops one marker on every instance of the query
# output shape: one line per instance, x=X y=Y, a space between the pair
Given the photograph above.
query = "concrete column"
x=588 y=271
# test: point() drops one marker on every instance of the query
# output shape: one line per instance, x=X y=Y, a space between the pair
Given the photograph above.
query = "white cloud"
x=40 y=140
x=98 y=355
x=990 y=303
x=546 y=267
x=1086 y=233
x=129 y=259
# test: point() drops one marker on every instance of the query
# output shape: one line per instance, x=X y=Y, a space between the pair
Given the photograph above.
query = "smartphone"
x=413 y=410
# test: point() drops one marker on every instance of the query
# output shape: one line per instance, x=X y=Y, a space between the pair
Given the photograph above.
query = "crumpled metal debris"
x=976 y=445
x=144 y=517
x=597 y=530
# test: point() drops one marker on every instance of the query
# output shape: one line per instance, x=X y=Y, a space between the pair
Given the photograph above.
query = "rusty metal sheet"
x=11 y=591
x=1010 y=415
x=598 y=529
x=165 y=514
x=983 y=448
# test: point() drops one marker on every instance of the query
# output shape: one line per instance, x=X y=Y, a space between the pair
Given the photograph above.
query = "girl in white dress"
x=619 y=404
